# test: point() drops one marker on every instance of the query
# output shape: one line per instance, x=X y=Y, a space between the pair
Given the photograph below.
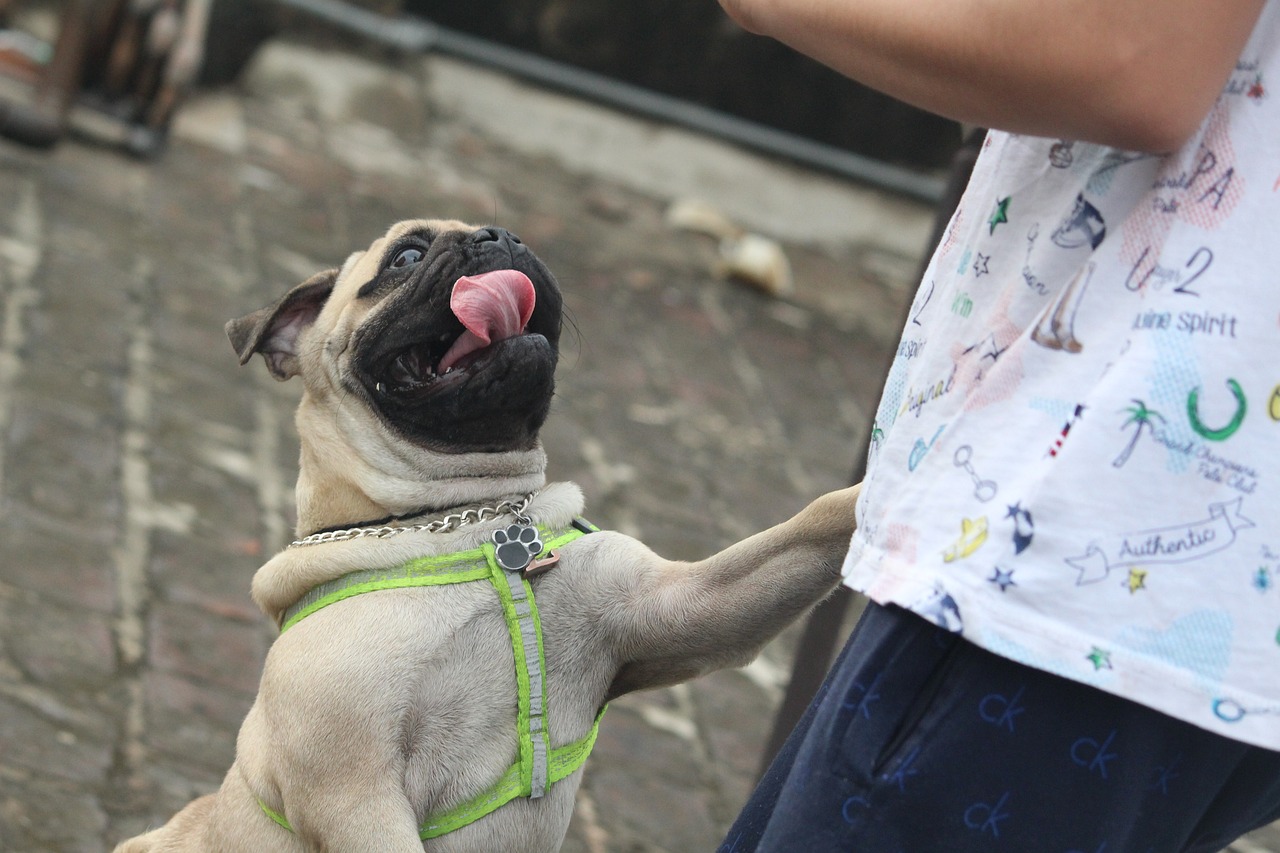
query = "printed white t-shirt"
x=1076 y=460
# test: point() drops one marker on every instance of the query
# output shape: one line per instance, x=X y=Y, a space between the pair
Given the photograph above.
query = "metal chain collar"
x=440 y=525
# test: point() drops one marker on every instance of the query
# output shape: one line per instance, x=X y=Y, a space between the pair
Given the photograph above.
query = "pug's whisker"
x=579 y=343
x=572 y=323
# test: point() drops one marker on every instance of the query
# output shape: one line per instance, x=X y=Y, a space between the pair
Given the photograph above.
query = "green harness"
x=539 y=766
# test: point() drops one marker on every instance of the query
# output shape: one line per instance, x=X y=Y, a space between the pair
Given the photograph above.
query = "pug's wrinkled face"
x=448 y=333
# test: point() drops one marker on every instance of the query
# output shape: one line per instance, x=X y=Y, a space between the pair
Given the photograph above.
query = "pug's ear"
x=274 y=330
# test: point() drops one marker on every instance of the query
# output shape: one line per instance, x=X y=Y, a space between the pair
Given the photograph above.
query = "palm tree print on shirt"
x=1140 y=417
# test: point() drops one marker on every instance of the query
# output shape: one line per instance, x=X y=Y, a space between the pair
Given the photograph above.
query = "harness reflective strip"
x=526 y=644
x=539 y=766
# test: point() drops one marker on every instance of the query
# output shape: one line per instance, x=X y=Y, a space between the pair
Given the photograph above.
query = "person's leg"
x=894 y=664
x=853 y=685
x=922 y=742
x=755 y=815
x=1249 y=799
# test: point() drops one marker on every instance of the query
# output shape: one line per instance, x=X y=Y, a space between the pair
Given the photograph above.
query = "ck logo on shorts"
x=869 y=696
x=906 y=767
x=1165 y=774
x=1092 y=754
x=986 y=817
x=1000 y=710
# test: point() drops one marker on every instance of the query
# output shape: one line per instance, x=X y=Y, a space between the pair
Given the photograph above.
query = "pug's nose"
x=494 y=234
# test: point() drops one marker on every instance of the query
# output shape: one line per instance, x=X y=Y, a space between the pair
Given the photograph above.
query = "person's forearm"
x=1137 y=74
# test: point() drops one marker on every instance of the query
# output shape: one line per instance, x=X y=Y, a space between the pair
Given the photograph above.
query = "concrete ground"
x=144 y=476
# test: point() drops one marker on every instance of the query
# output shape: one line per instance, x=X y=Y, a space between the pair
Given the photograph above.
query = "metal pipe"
x=414 y=35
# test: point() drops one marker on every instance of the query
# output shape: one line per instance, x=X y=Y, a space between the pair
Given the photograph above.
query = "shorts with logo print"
x=920 y=742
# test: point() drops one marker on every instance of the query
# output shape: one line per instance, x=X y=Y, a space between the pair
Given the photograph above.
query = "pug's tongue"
x=492 y=306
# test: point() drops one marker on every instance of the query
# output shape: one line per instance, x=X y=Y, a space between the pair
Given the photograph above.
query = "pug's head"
x=428 y=364
x=448 y=333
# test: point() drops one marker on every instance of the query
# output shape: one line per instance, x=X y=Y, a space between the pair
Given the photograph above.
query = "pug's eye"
x=405 y=258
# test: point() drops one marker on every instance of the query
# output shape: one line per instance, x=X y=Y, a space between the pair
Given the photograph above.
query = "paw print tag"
x=517 y=546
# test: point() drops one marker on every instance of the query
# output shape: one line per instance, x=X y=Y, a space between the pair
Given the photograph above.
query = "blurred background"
x=736 y=231
x=688 y=50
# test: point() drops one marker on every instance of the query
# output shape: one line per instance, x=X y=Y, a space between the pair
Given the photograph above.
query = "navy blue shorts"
x=920 y=742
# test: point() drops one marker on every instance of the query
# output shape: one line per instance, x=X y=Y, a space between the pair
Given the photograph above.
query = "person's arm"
x=1137 y=74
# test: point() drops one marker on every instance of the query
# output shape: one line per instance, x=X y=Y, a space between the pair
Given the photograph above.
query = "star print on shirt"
x=1100 y=658
x=1001 y=214
x=1002 y=578
x=1137 y=580
x=1024 y=529
x=1262 y=579
x=980 y=265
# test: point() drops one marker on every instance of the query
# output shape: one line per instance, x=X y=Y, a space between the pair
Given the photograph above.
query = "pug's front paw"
x=516 y=546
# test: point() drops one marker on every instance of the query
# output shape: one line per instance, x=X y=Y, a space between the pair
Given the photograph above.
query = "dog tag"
x=537 y=567
x=516 y=546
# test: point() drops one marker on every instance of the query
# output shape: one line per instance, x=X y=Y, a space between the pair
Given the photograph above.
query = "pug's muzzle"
x=461 y=352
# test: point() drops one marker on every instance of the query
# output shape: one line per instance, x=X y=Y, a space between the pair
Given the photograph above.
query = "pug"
x=452 y=629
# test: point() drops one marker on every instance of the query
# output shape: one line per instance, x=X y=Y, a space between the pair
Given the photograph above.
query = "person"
x=1068 y=527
